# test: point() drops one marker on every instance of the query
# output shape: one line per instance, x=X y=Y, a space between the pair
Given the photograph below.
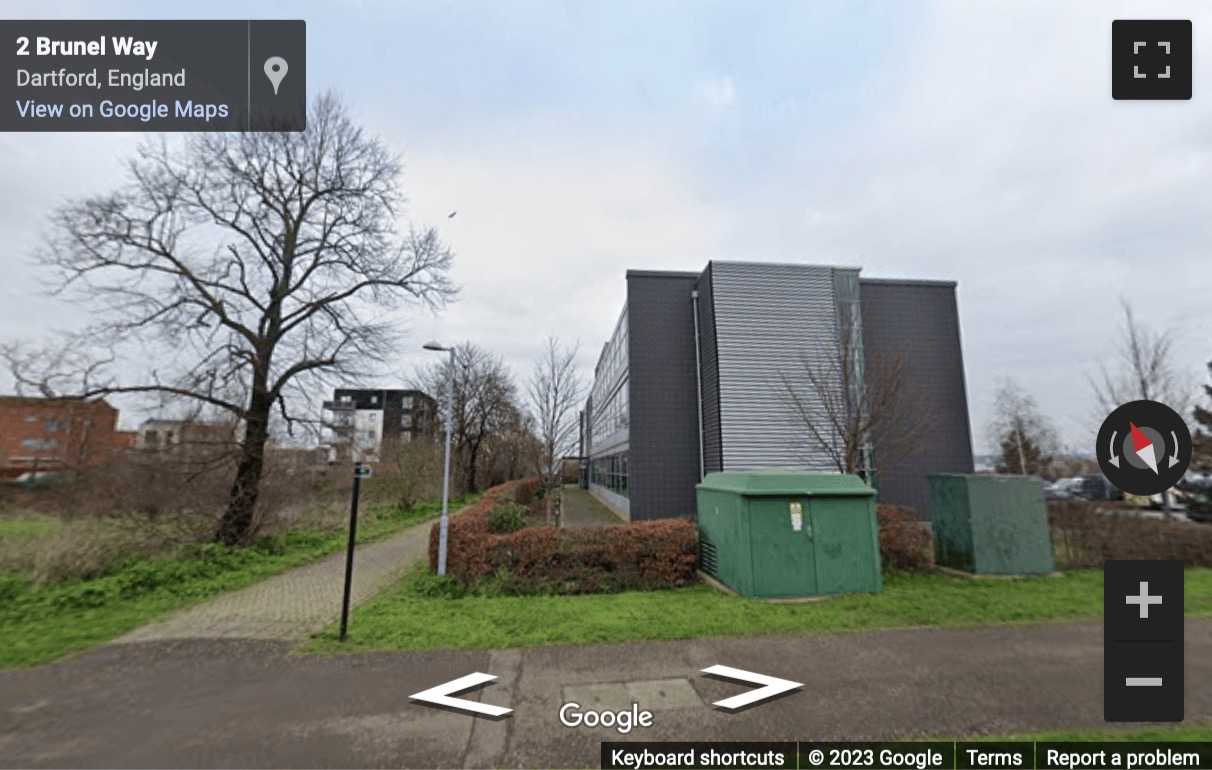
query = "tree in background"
x=511 y=453
x=251 y=270
x=1202 y=435
x=485 y=404
x=1145 y=369
x=556 y=391
x=411 y=471
x=1026 y=441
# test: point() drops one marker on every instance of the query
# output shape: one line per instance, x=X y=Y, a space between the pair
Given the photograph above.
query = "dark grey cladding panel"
x=921 y=319
x=664 y=446
x=713 y=451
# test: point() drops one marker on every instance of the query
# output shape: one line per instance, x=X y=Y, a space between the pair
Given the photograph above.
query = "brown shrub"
x=525 y=491
x=642 y=555
x=1088 y=533
x=905 y=542
x=184 y=494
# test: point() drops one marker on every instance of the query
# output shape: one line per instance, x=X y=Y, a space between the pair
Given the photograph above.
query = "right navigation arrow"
x=771 y=686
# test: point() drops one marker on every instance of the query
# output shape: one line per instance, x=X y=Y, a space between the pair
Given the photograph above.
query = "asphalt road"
x=231 y=703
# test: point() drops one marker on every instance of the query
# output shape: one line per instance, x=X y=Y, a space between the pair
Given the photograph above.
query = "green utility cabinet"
x=990 y=525
x=783 y=533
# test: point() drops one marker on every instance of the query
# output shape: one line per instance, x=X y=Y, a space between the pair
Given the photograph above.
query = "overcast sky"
x=974 y=141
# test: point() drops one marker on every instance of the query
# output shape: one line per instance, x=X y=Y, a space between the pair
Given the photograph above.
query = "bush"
x=1085 y=534
x=506 y=518
x=526 y=491
x=905 y=542
x=639 y=556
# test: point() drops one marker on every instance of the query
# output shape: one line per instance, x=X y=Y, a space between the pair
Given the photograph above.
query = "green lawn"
x=41 y=623
x=26 y=528
x=415 y=616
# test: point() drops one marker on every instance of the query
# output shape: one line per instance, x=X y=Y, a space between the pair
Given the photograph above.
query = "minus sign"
x=1143 y=681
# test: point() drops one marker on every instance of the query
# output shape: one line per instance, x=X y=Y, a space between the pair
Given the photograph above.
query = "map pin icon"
x=275 y=70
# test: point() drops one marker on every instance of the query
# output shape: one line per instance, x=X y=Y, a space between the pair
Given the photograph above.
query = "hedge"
x=637 y=556
x=905 y=541
x=1086 y=534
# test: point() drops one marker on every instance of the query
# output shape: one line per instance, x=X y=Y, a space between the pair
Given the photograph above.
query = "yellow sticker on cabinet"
x=797 y=516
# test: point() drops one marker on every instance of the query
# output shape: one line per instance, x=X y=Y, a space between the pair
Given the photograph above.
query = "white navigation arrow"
x=771 y=686
x=441 y=695
x=1174 y=457
x=1114 y=457
x=1148 y=453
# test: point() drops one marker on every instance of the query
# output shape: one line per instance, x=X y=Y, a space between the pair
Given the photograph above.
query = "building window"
x=611 y=472
x=29 y=442
x=52 y=425
x=31 y=418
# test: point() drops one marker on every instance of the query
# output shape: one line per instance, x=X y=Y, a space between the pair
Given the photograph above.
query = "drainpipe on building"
x=698 y=376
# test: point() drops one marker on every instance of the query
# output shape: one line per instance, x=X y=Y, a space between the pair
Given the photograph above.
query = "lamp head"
x=434 y=346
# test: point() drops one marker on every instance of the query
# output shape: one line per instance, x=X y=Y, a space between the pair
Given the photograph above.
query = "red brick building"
x=55 y=434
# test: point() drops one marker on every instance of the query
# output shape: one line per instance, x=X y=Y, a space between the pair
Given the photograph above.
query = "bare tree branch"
x=249 y=267
x=847 y=402
x=555 y=391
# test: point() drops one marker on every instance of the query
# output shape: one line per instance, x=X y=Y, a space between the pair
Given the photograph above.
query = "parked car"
x=1196 y=492
x=30 y=478
x=1094 y=486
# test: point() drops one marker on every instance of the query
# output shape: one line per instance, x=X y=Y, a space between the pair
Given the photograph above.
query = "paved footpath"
x=297 y=603
x=239 y=703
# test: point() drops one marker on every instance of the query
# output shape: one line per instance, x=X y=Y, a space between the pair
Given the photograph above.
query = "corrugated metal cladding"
x=713 y=456
x=771 y=322
x=664 y=447
x=921 y=319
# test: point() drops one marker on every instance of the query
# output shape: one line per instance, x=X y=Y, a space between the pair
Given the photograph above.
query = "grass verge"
x=42 y=623
x=426 y=613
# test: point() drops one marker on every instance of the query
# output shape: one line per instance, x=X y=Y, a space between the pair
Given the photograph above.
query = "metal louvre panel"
x=769 y=320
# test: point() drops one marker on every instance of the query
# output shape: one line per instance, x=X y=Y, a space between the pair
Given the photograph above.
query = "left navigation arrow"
x=441 y=695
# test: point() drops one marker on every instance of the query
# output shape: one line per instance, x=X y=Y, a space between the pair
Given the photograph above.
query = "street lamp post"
x=444 y=522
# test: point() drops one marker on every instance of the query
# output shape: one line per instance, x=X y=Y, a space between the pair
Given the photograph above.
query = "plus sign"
x=1144 y=600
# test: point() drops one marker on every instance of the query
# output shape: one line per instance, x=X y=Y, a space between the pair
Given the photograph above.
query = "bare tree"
x=250 y=269
x=1145 y=369
x=1025 y=440
x=556 y=391
x=485 y=402
x=848 y=401
x=412 y=470
x=512 y=452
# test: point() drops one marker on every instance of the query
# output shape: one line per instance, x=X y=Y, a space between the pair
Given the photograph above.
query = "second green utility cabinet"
x=990 y=525
x=784 y=534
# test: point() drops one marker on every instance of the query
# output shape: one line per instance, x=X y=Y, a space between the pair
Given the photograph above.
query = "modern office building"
x=730 y=369
x=361 y=423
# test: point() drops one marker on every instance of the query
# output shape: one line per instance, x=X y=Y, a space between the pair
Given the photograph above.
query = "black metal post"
x=349 y=552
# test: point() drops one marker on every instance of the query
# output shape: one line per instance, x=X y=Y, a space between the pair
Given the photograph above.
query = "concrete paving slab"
x=663 y=694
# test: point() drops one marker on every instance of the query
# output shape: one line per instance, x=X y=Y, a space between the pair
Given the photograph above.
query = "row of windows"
x=613 y=363
x=50 y=426
x=612 y=416
x=30 y=442
x=610 y=472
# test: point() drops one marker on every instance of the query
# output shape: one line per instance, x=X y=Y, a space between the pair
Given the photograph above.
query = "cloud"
x=1004 y=163
x=546 y=232
x=718 y=93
